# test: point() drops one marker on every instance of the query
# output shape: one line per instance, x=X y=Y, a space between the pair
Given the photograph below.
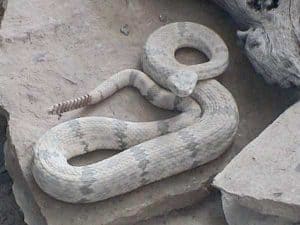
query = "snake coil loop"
x=149 y=151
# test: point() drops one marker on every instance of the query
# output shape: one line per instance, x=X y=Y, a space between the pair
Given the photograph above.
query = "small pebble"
x=99 y=45
x=163 y=18
x=125 y=29
x=277 y=194
x=8 y=40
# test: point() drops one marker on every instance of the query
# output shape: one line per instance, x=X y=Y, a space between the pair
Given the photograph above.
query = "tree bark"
x=270 y=37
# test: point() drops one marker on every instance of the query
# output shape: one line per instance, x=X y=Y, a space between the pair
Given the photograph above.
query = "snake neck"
x=155 y=94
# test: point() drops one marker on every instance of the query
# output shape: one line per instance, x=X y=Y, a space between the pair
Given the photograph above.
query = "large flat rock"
x=237 y=214
x=208 y=212
x=265 y=176
x=55 y=50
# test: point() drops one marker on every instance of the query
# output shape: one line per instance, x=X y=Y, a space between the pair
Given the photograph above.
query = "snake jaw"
x=182 y=83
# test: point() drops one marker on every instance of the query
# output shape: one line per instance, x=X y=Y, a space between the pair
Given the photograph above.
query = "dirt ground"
x=259 y=103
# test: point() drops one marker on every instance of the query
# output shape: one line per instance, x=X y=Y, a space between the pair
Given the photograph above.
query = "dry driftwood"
x=271 y=38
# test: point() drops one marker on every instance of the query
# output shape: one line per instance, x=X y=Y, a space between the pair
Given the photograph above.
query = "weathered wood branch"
x=271 y=36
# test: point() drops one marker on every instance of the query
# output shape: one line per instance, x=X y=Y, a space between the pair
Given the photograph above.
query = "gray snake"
x=149 y=151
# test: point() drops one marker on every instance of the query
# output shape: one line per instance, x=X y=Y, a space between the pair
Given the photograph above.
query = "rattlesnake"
x=153 y=150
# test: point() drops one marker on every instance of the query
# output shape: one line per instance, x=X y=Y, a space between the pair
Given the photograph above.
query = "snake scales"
x=149 y=151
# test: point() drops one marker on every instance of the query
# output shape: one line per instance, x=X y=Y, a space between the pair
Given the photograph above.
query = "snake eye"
x=183 y=82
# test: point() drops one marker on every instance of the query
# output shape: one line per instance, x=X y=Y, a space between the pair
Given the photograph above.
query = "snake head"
x=182 y=82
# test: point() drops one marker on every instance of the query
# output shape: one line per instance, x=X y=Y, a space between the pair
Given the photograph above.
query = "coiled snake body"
x=150 y=151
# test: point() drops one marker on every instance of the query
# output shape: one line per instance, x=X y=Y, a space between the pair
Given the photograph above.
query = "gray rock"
x=237 y=214
x=265 y=176
x=3 y=125
x=10 y=213
x=208 y=212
